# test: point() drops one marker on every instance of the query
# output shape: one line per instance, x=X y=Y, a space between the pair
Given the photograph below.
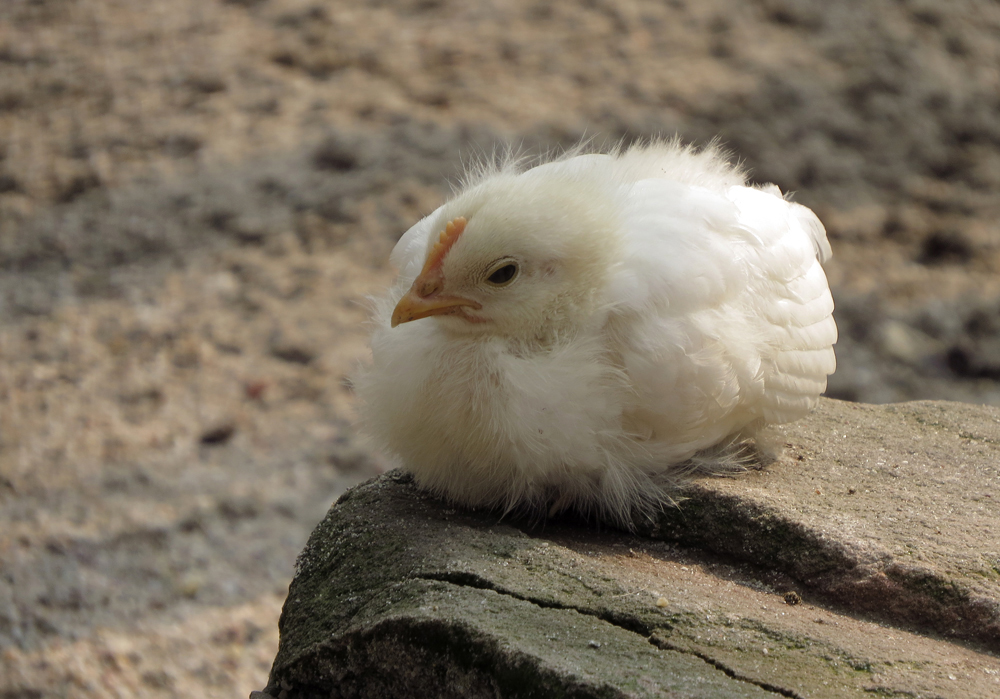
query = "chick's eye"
x=503 y=275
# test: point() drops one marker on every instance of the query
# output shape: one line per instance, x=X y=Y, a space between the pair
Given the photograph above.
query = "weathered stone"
x=881 y=519
x=892 y=510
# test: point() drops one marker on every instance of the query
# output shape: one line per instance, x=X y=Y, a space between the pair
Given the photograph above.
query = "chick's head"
x=520 y=256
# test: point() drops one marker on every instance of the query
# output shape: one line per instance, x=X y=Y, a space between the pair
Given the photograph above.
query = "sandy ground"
x=195 y=197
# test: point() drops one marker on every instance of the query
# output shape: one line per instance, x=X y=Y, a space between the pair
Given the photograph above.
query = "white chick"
x=576 y=335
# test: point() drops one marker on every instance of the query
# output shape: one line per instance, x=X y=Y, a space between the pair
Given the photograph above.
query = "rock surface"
x=892 y=510
x=862 y=561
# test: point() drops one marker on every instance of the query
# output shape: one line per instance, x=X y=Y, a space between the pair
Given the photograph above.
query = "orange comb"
x=448 y=237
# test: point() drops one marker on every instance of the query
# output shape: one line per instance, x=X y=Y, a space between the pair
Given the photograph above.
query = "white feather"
x=408 y=254
x=662 y=307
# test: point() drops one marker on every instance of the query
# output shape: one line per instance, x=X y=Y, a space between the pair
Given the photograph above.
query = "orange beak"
x=415 y=305
x=425 y=297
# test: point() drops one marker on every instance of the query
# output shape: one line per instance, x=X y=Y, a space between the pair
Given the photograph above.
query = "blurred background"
x=196 y=194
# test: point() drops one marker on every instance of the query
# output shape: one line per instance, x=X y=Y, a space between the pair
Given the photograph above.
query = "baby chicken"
x=578 y=334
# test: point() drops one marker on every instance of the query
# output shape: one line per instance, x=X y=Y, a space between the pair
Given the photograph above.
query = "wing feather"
x=793 y=298
x=729 y=301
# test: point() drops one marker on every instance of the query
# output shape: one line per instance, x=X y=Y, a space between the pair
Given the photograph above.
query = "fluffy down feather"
x=578 y=334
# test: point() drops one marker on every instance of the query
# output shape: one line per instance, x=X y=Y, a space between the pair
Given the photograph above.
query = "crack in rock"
x=464 y=579
x=661 y=642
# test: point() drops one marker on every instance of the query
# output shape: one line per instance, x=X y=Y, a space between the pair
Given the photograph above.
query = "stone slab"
x=857 y=565
x=891 y=510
